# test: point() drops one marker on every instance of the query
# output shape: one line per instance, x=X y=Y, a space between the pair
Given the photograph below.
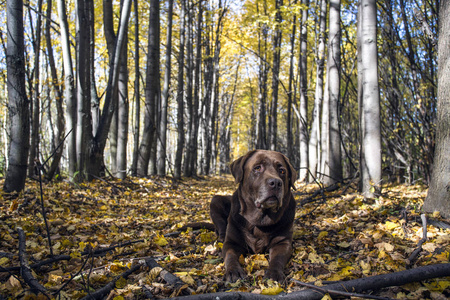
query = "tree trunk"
x=152 y=93
x=291 y=95
x=334 y=67
x=303 y=122
x=60 y=121
x=165 y=96
x=370 y=162
x=180 y=95
x=314 y=136
x=273 y=129
x=69 y=89
x=84 y=125
x=137 y=99
x=122 y=114
x=19 y=110
x=438 y=198
x=35 y=106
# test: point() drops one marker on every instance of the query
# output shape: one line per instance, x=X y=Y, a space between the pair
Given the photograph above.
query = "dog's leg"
x=233 y=269
x=279 y=256
x=219 y=210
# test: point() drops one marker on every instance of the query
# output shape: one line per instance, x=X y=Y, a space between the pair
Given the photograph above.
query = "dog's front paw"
x=235 y=273
x=275 y=274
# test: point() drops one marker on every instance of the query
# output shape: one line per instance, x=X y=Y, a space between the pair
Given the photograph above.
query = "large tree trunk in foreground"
x=18 y=103
x=372 y=283
x=438 y=198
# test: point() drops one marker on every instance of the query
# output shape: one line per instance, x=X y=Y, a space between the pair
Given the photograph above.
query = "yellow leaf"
x=154 y=272
x=188 y=279
x=391 y=225
x=160 y=240
x=14 y=205
x=327 y=297
x=275 y=290
x=4 y=261
x=118 y=298
x=315 y=258
x=121 y=283
x=103 y=207
x=322 y=234
x=347 y=271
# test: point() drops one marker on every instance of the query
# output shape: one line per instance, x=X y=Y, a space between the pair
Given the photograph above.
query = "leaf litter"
x=101 y=229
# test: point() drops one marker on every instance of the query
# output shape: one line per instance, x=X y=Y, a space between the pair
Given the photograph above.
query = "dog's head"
x=265 y=178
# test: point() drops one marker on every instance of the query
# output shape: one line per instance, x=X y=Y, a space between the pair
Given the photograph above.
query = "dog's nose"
x=274 y=183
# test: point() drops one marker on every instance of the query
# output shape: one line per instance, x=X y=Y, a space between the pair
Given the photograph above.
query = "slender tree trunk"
x=19 y=110
x=180 y=94
x=438 y=198
x=151 y=93
x=60 y=121
x=165 y=96
x=36 y=107
x=370 y=162
x=334 y=67
x=136 y=91
x=303 y=122
x=314 y=136
x=122 y=109
x=273 y=130
x=84 y=125
x=69 y=89
x=291 y=94
x=97 y=144
x=189 y=100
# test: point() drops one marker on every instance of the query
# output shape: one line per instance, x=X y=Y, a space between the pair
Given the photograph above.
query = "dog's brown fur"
x=258 y=217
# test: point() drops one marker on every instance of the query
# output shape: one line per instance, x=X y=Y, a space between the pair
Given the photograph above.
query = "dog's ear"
x=237 y=166
x=291 y=172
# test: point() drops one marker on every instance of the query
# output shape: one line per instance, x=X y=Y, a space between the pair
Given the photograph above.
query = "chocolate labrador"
x=258 y=217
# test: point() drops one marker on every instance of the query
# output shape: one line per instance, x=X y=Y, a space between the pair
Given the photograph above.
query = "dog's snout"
x=274 y=183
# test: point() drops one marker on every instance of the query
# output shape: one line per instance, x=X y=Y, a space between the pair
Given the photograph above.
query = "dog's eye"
x=257 y=168
x=282 y=171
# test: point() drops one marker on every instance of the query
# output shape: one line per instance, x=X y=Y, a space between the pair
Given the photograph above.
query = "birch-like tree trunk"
x=137 y=97
x=303 y=108
x=18 y=103
x=69 y=88
x=334 y=66
x=370 y=161
x=438 y=198
x=314 y=135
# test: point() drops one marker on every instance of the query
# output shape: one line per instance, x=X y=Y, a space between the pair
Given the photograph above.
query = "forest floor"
x=103 y=229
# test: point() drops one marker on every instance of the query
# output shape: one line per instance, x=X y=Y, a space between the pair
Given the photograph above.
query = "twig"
x=324 y=290
x=25 y=270
x=413 y=257
x=39 y=168
x=101 y=292
x=71 y=278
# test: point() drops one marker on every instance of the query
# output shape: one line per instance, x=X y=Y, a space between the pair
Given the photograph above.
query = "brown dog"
x=258 y=217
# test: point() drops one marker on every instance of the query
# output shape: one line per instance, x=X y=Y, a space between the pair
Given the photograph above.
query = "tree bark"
x=370 y=162
x=438 y=198
x=314 y=136
x=180 y=95
x=334 y=87
x=137 y=99
x=273 y=127
x=19 y=110
x=152 y=94
x=165 y=96
x=303 y=108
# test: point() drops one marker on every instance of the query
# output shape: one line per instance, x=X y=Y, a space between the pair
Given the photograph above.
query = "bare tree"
x=369 y=102
x=334 y=88
x=438 y=198
x=19 y=110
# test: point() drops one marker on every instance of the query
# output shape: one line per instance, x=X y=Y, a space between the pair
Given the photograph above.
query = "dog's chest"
x=257 y=240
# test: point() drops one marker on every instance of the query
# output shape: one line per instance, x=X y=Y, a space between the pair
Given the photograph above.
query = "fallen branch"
x=102 y=292
x=372 y=283
x=413 y=257
x=38 y=264
x=25 y=270
x=169 y=277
